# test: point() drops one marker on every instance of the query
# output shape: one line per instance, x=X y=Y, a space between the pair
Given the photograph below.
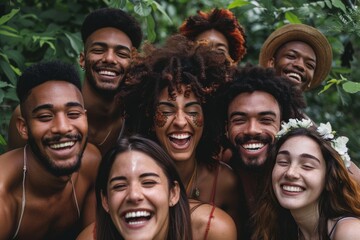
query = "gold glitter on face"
x=160 y=118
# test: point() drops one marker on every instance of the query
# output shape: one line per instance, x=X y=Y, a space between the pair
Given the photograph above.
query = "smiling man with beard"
x=47 y=187
x=110 y=37
x=252 y=107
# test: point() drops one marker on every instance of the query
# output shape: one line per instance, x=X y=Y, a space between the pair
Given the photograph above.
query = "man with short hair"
x=298 y=52
x=47 y=187
x=110 y=36
x=253 y=106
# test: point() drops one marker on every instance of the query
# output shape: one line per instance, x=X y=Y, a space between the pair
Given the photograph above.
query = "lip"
x=291 y=189
x=294 y=76
x=63 y=149
x=137 y=218
x=180 y=140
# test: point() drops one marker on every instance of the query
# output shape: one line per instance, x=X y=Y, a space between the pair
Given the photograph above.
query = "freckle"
x=198 y=120
x=160 y=119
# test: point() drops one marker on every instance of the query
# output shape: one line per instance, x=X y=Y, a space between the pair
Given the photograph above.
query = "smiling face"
x=296 y=61
x=106 y=59
x=216 y=39
x=298 y=176
x=179 y=124
x=55 y=126
x=138 y=197
x=253 y=121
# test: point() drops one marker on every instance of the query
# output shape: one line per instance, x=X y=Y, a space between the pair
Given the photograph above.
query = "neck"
x=307 y=220
x=39 y=180
x=186 y=170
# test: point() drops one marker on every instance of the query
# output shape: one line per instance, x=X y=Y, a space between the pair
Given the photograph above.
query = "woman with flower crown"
x=309 y=193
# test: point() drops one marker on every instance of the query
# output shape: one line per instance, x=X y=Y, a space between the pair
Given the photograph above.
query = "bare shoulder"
x=348 y=228
x=87 y=233
x=8 y=213
x=227 y=175
x=90 y=161
x=221 y=225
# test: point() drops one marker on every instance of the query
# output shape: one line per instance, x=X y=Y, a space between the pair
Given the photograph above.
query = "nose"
x=135 y=193
x=61 y=124
x=252 y=128
x=291 y=172
x=299 y=64
x=109 y=56
x=180 y=120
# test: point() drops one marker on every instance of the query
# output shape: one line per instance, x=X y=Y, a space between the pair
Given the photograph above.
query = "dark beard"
x=46 y=162
x=236 y=162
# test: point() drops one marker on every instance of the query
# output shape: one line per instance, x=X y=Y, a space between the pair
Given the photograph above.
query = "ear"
x=82 y=60
x=271 y=62
x=174 y=194
x=22 y=128
x=104 y=202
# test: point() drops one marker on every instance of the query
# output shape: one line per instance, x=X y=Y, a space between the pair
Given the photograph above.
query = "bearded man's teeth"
x=253 y=146
x=108 y=73
x=62 y=145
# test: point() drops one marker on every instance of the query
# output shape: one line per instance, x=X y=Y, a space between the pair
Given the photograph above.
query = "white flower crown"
x=324 y=130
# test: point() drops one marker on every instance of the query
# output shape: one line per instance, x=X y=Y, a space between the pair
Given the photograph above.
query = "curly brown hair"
x=180 y=62
x=221 y=20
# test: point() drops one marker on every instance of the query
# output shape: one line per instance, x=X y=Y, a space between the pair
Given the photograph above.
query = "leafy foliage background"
x=35 y=30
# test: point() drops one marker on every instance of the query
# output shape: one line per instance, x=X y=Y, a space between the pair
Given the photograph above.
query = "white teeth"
x=136 y=222
x=62 y=145
x=137 y=214
x=292 y=188
x=253 y=146
x=109 y=73
x=180 y=136
x=294 y=75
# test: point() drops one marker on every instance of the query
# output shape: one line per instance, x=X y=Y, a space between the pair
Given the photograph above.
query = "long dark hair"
x=179 y=214
x=340 y=197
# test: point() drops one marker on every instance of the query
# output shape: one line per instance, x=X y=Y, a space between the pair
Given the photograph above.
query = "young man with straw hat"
x=299 y=52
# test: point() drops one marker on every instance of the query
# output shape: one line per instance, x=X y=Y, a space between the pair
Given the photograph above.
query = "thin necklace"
x=108 y=134
x=194 y=193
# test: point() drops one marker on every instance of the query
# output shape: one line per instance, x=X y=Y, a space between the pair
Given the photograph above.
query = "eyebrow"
x=105 y=45
x=303 y=155
x=173 y=105
x=51 y=106
x=264 y=113
x=120 y=178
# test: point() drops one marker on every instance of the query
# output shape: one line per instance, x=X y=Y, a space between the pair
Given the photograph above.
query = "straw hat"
x=303 y=33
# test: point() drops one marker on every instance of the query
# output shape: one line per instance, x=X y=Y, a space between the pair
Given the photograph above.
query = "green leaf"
x=160 y=8
x=2 y=95
x=292 y=18
x=5 y=84
x=9 y=34
x=8 y=16
x=9 y=73
x=2 y=140
x=339 y=4
x=151 y=35
x=351 y=87
x=238 y=3
x=75 y=41
x=142 y=9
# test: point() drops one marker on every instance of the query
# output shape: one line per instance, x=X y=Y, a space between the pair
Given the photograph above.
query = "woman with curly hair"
x=220 y=28
x=169 y=96
x=309 y=193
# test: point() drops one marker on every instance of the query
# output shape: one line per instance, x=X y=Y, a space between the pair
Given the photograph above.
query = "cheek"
x=160 y=119
x=197 y=120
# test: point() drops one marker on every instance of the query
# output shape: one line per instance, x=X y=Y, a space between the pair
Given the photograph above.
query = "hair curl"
x=179 y=62
x=222 y=20
x=340 y=196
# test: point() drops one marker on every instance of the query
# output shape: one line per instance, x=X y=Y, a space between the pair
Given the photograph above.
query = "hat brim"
x=303 y=33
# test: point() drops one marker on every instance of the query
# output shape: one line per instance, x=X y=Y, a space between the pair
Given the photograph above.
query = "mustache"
x=246 y=138
x=57 y=137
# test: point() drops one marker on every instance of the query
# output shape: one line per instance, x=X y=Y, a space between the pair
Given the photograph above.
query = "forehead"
x=253 y=103
x=55 y=93
x=110 y=36
x=297 y=46
x=164 y=95
x=131 y=162
x=308 y=145
x=213 y=36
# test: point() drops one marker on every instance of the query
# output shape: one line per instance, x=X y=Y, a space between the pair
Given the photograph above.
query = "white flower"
x=346 y=159
x=339 y=144
x=305 y=123
x=325 y=131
